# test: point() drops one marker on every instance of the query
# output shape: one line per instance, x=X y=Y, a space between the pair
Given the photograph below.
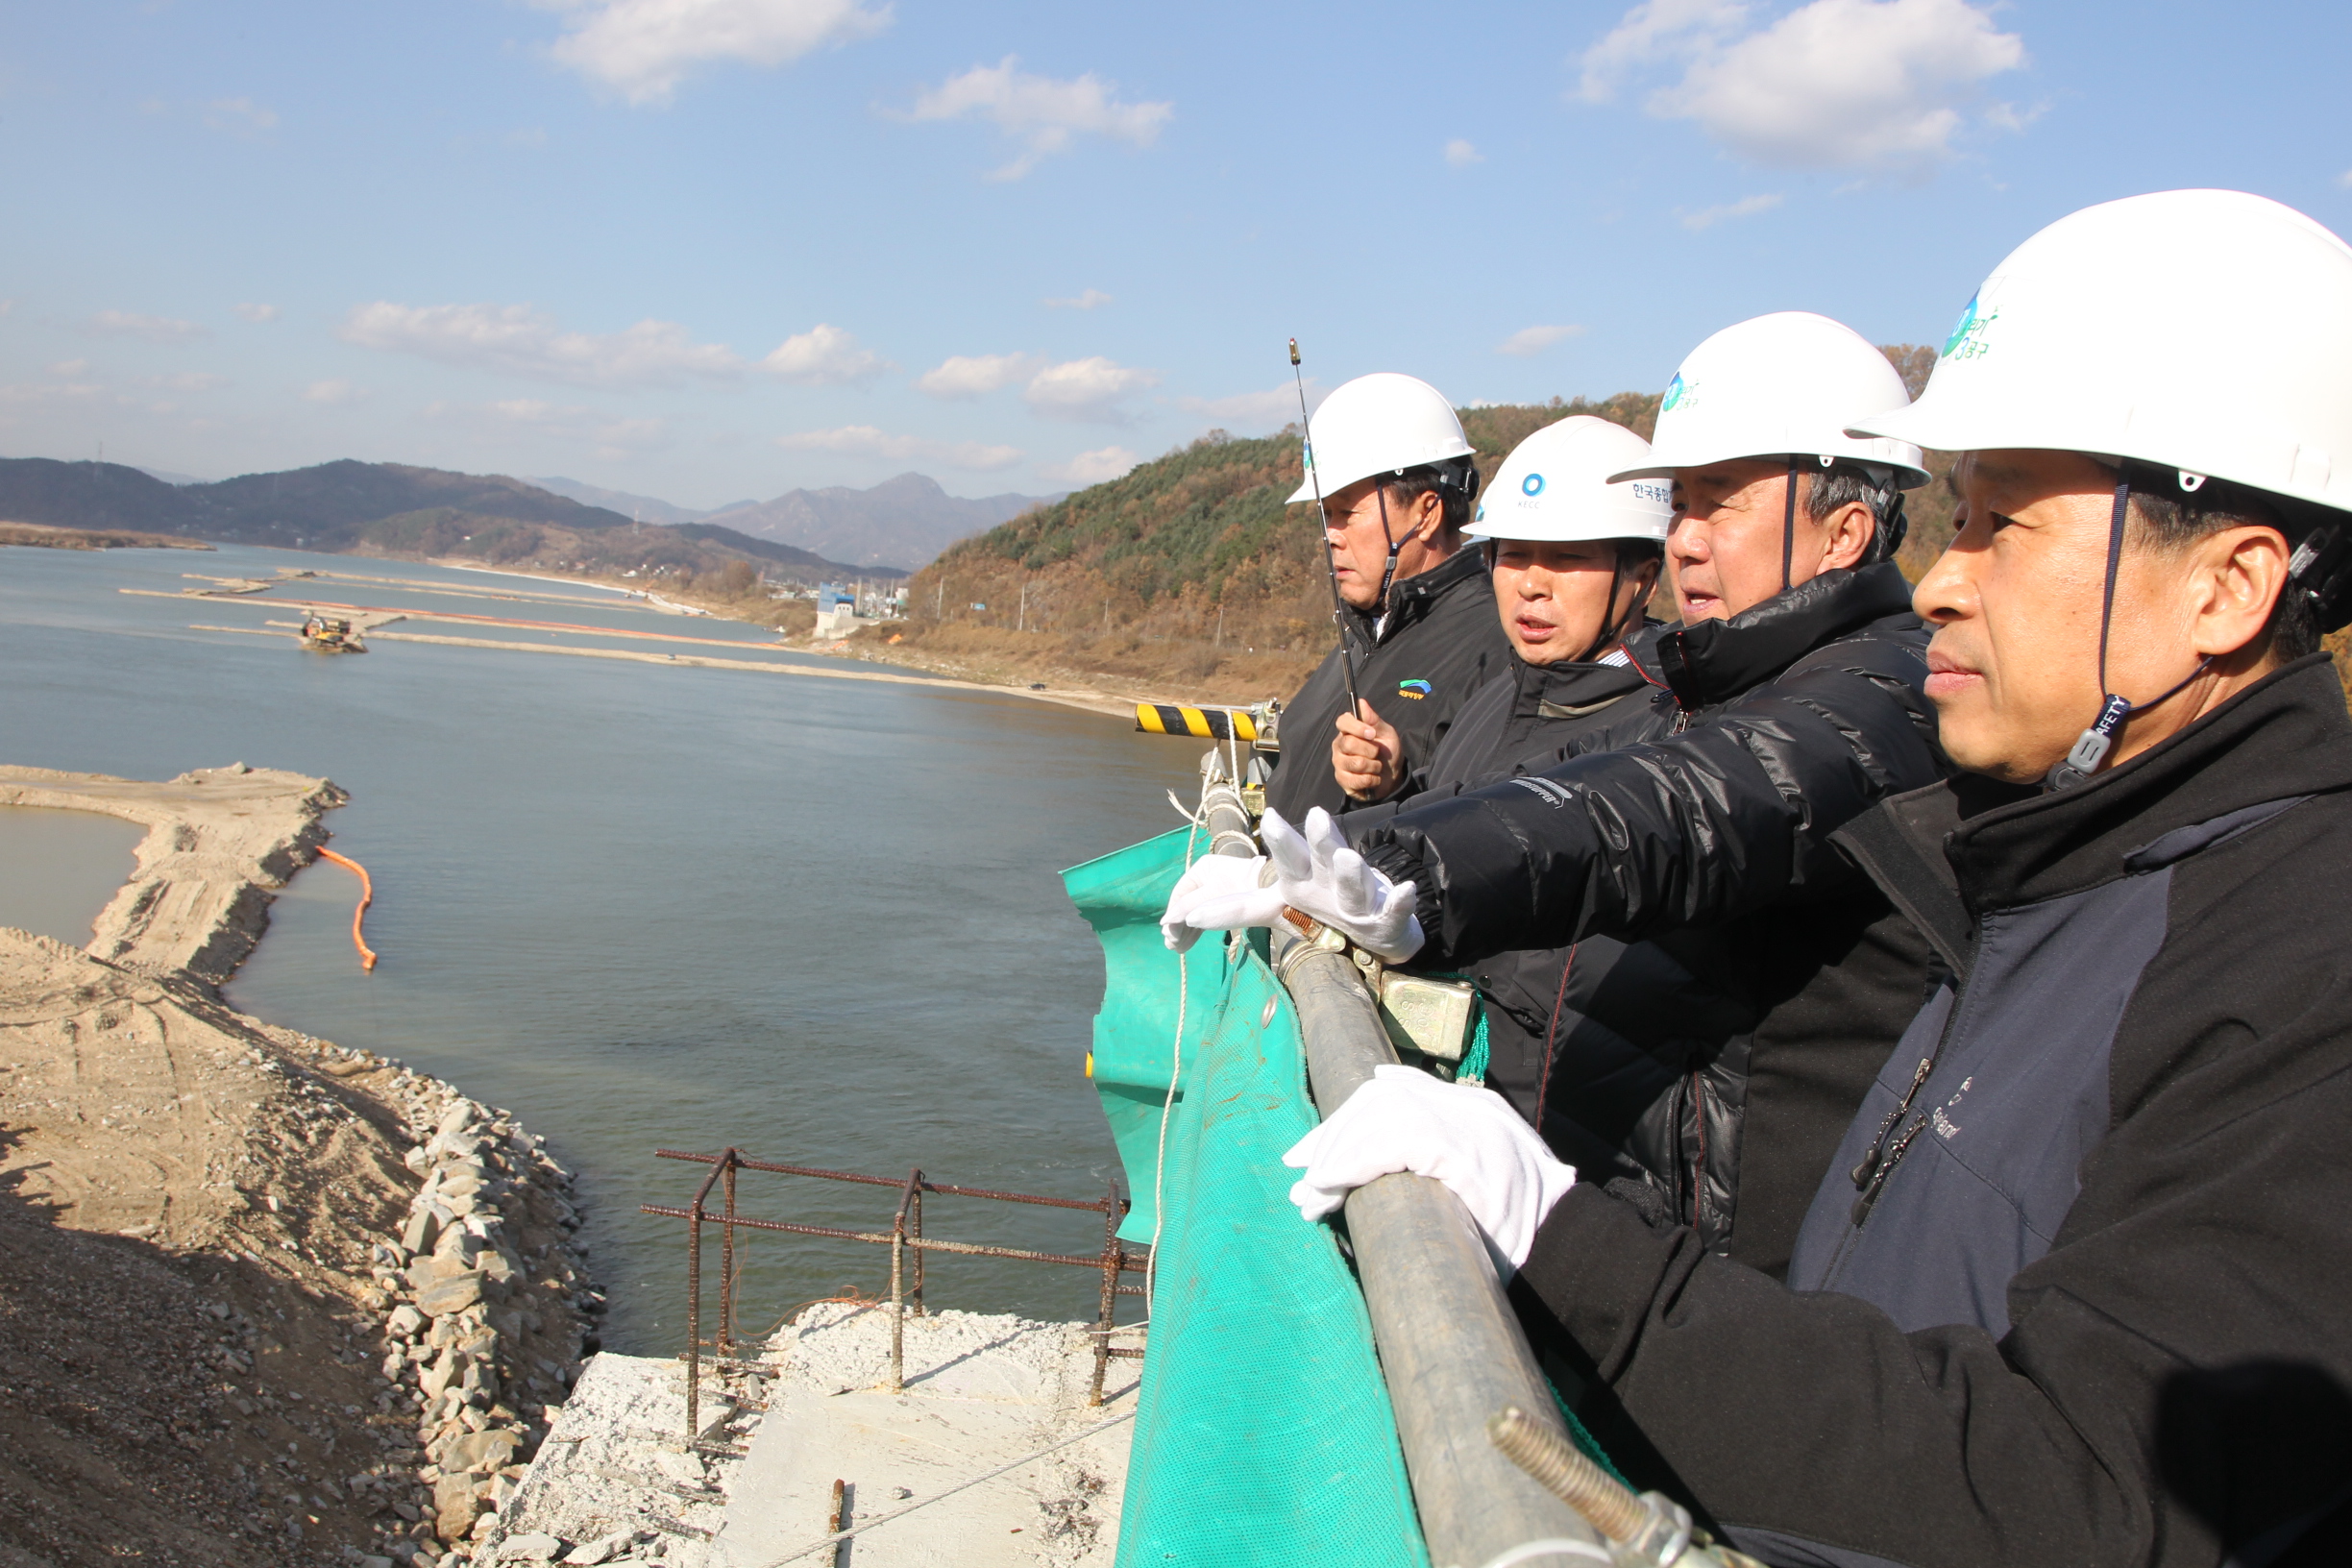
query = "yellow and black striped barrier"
x=1208 y=723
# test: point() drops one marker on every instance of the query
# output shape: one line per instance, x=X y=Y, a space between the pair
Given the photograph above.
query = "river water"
x=644 y=906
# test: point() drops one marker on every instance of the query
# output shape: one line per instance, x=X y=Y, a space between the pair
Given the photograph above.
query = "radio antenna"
x=1331 y=570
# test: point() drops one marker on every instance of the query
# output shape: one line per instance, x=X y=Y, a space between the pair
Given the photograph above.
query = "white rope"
x=1167 y=1106
x=1552 y=1545
x=840 y=1536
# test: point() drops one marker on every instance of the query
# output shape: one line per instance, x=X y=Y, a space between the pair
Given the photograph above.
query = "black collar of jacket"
x=1953 y=850
x=1716 y=660
x=1416 y=596
x=1570 y=691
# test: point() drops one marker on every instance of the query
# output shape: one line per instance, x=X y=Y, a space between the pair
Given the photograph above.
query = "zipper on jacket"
x=1877 y=1154
x=1879 y=1164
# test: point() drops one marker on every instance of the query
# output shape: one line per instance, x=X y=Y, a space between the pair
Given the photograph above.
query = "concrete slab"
x=981 y=1391
x=615 y=1462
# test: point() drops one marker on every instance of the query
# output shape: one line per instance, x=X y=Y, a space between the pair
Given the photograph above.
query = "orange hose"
x=367 y=897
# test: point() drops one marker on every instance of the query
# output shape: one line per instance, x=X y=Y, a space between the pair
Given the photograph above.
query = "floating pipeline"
x=367 y=897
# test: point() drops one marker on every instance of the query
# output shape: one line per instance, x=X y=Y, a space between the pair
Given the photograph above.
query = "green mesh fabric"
x=1265 y=1435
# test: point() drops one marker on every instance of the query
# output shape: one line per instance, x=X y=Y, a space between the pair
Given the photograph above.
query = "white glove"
x=1218 y=892
x=1319 y=875
x=1466 y=1137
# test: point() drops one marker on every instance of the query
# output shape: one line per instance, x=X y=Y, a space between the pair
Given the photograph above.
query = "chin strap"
x=1379 y=605
x=1612 y=629
x=2091 y=747
x=1788 y=524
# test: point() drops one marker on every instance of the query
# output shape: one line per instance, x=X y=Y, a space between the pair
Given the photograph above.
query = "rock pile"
x=485 y=1309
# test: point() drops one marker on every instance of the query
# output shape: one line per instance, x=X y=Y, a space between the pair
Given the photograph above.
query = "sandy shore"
x=261 y=1298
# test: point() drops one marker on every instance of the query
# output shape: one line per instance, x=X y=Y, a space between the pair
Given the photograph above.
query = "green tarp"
x=1265 y=1435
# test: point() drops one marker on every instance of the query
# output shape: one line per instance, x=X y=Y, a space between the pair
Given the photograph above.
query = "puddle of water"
x=58 y=869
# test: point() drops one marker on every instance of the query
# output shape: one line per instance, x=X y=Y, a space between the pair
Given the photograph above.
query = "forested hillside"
x=1192 y=571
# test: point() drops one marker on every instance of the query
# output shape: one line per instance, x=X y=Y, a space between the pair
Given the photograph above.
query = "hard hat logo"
x=1967 y=340
x=1531 y=485
x=1677 y=393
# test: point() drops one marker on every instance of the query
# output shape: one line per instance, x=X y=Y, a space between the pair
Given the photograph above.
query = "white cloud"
x=1044 y=113
x=154 y=328
x=1461 y=155
x=1102 y=464
x=2344 y=181
x=257 y=313
x=1655 y=30
x=524 y=341
x=334 y=393
x=1747 y=207
x=239 y=115
x=69 y=367
x=866 y=441
x=1091 y=298
x=643 y=49
x=976 y=375
x=1270 y=409
x=824 y=357
x=601 y=433
x=1878 y=85
x=1091 y=391
x=1530 y=341
x=185 y=381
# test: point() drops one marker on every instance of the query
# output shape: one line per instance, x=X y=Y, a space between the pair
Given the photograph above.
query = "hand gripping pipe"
x=1450 y=1348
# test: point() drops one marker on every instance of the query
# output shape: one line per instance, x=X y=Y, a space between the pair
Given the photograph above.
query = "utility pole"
x=939 y=594
x=1021 y=623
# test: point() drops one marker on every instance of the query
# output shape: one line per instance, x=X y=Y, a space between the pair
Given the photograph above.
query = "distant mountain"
x=901 y=521
x=391 y=510
x=168 y=476
x=645 y=508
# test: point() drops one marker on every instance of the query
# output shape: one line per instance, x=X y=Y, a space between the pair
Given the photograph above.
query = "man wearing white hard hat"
x=1696 y=828
x=1396 y=477
x=2072 y=1288
x=1574 y=557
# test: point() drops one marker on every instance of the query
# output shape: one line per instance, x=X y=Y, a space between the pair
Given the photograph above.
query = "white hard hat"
x=1556 y=484
x=1791 y=383
x=2203 y=331
x=1380 y=424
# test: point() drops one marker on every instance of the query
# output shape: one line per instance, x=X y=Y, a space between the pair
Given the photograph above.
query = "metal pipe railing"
x=1450 y=1347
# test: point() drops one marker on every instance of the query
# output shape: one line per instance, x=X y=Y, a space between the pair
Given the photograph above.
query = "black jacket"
x=1709 y=849
x=1526 y=719
x=1441 y=642
x=2097 y=1311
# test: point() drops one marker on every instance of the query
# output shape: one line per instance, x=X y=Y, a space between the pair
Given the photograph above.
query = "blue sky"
x=716 y=249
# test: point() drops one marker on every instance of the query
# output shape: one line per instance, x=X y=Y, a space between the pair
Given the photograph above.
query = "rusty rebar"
x=727 y=1256
x=915 y=1234
x=1108 y=1307
x=745 y=1163
x=898 y=1241
x=1128 y=1263
x=694 y=1305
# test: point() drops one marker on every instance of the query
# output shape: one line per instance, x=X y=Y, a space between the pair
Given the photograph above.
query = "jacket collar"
x=1716 y=660
x=1569 y=691
x=2001 y=845
x=1413 y=599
